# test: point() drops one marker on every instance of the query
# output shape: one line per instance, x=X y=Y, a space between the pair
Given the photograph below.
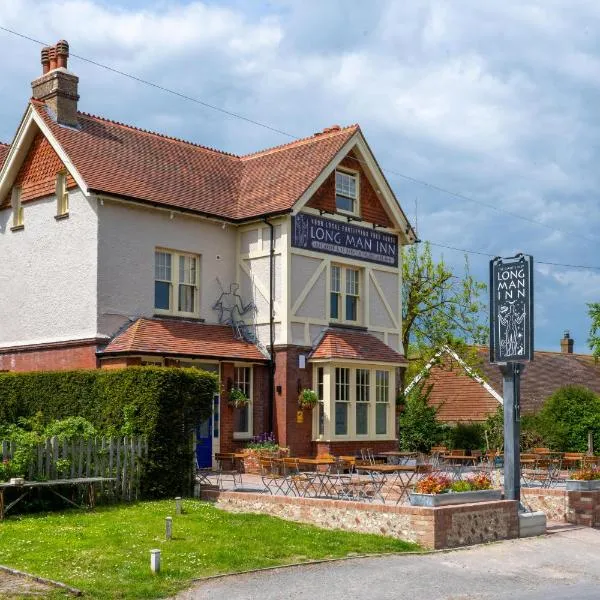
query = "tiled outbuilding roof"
x=460 y=397
x=184 y=338
x=352 y=344
x=121 y=160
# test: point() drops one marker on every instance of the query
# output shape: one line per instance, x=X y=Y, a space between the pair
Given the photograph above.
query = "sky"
x=496 y=102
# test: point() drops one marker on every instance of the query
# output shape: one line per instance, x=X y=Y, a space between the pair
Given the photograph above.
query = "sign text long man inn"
x=343 y=239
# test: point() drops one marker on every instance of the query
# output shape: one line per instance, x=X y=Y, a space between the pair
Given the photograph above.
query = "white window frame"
x=175 y=283
x=329 y=401
x=62 y=195
x=343 y=293
x=356 y=199
x=17 y=208
x=245 y=435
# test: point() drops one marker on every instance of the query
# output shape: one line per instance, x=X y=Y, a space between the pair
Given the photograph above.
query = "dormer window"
x=17 y=208
x=346 y=192
x=62 y=195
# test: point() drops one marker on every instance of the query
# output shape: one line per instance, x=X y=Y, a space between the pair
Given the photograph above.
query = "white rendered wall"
x=128 y=236
x=48 y=275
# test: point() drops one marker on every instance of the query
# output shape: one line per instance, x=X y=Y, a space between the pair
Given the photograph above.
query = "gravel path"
x=13 y=586
x=560 y=566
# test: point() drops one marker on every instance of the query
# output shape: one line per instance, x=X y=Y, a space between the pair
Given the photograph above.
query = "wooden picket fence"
x=118 y=458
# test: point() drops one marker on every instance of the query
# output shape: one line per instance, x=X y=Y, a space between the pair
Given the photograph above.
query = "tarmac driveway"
x=563 y=565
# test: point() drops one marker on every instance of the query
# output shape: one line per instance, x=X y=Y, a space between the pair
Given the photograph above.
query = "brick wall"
x=583 y=508
x=371 y=208
x=443 y=527
x=353 y=448
x=37 y=176
x=292 y=379
x=50 y=357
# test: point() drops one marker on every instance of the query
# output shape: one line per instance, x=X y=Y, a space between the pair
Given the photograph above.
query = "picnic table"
x=27 y=486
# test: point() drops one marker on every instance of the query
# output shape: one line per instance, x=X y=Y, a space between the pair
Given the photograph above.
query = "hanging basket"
x=237 y=398
x=307 y=399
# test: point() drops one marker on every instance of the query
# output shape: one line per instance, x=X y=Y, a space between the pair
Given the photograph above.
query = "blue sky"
x=496 y=101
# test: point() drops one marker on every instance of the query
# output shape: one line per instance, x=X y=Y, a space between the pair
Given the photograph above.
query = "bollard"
x=169 y=528
x=155 y=561
x=178 y=505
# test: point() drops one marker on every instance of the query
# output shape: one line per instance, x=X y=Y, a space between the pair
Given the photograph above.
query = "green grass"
x=106 y=553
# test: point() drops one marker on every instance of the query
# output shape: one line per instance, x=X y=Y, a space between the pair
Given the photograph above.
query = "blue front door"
x=204 y=444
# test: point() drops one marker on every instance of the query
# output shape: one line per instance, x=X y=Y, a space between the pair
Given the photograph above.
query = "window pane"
x=341 y=418
x=382 y=386
x=162 y=295
x=381 y=418
x=344 y=203
x=362 y=418
x=345 y=184
x=352 y=282
x=240 y=416
x=336 y=277
x=342 y=384
x=186 y=298
x=351 y=308
x=335 y=306
x=320 y=372
x=362 y=385
x=162 y=266
x=321 y=418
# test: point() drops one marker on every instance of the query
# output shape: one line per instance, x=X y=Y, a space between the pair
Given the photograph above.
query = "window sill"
x=183 y=317
x=348 y=325
x=242 y=436
x=17 y=228
x=61 y=217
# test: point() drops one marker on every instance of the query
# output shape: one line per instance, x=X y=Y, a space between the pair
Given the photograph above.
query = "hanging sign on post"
x=511 y=309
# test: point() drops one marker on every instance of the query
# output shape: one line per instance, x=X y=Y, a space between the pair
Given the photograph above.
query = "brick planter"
x=252 y=458
x=450 y=498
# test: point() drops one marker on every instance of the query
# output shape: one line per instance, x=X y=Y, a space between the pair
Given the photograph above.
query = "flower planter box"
x=579 y=485
x=432 y=500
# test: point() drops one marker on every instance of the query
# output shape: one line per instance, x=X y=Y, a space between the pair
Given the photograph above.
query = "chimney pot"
x=45 y=60
x=62 y=53
x=567 y=343
x=52 y=57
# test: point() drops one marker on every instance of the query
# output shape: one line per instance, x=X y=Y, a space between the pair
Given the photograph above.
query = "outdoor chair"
x=367 y=456
x=227 y=469
x=542 y=451
x=273 y=478
x=300 y=483
x=573 y=461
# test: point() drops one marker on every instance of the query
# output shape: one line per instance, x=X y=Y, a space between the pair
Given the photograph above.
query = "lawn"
x=106 y=553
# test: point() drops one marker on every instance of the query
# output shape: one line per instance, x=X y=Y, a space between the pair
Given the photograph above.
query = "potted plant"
x=308 y=399
x=237 y=398
x=584 y=480
x=440 y=490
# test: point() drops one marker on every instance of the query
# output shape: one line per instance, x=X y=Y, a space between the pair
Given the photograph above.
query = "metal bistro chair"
x=300 y=483
x=273 y=478
x=227 y=469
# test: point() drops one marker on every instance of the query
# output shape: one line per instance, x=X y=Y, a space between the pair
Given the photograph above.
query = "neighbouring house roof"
x=4 y=148
x=124 y=161
x=351 y=344
x=183 y=338
x=463 y=395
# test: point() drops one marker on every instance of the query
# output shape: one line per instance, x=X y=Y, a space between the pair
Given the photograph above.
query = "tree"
x=439 y=308
x=594 y=339
x=418 y=424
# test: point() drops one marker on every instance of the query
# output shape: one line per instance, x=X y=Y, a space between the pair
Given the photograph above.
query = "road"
x=560 y=566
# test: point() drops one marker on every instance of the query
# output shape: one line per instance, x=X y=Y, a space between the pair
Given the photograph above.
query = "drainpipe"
x=271 y=403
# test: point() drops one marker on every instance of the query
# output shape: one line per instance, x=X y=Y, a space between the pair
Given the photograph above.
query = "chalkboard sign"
x=511 y=309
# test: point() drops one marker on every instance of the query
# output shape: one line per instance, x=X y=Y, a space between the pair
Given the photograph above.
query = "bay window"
x=176 y=288
x=355 y=402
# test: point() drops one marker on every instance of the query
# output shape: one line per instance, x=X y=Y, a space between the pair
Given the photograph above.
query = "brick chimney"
x=57 y=87
x=567 y=343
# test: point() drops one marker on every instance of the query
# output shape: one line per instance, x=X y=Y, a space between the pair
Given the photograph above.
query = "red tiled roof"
x=351 y=344
x=463 y=399
x=125 y=161
x=4 y=148
x=189 y=338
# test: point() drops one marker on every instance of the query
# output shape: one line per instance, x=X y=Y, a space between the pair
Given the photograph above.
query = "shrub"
x=465 y=435
x=418 y=424
x=70 y=428
x=567 y=416
x=587 y=474
x=164 y=404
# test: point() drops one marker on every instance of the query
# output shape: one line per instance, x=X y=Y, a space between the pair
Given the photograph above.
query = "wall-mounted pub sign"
x=319 y=234
x=511 y=309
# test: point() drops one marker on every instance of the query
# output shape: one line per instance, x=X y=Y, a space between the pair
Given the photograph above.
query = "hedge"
x=164 y=404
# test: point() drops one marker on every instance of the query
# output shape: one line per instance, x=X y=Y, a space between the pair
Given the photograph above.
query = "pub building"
x=279 y=270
